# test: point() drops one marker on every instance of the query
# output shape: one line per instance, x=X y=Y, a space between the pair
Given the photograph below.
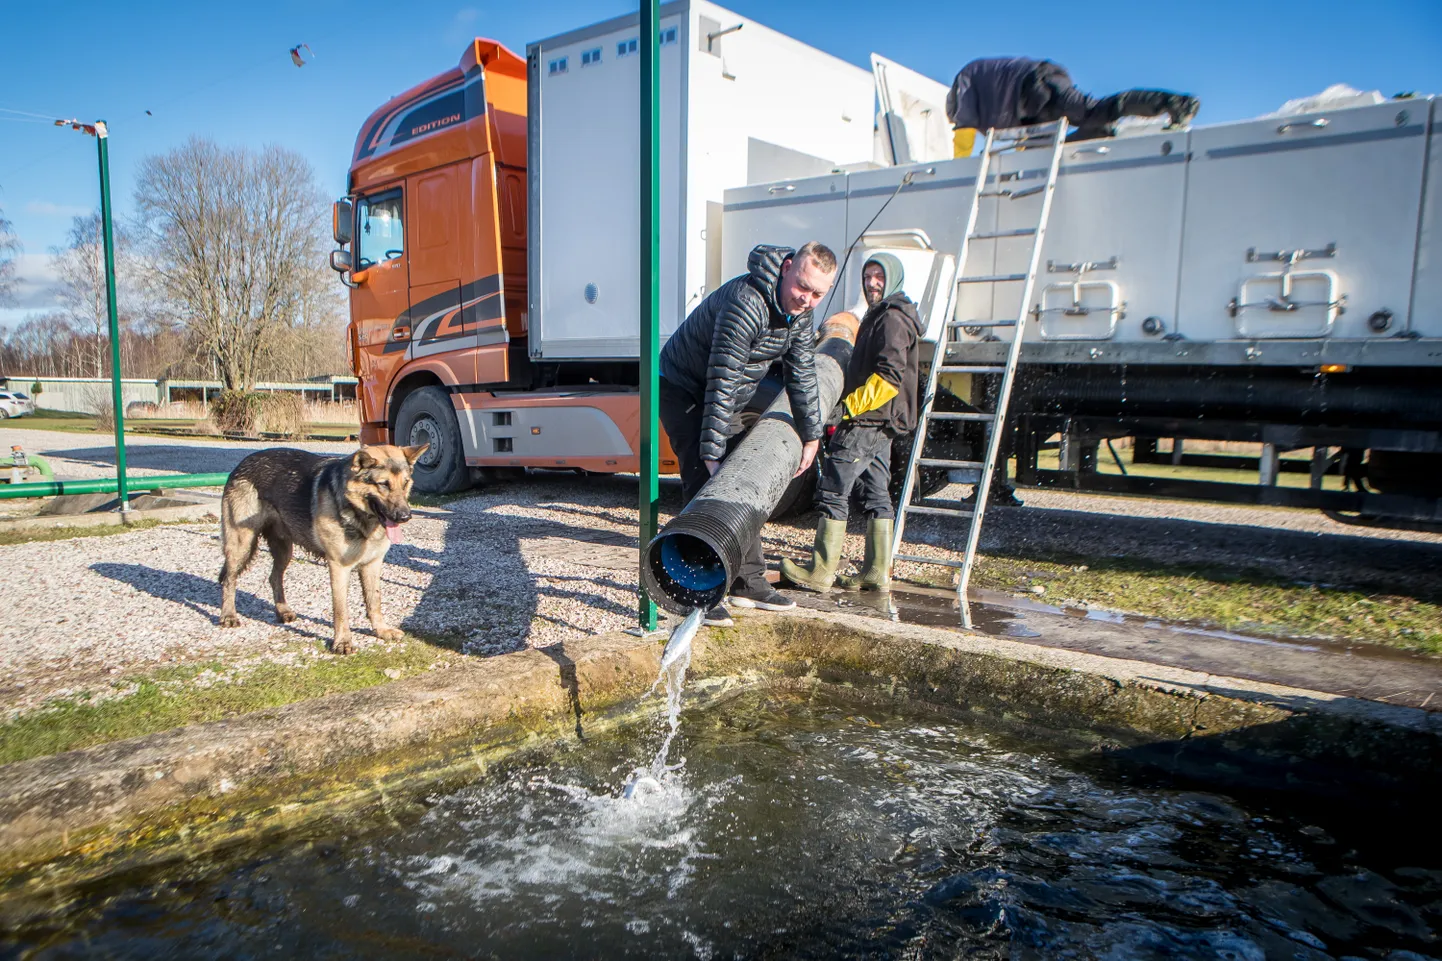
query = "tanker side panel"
x=1426 y=307
x=1338 y=191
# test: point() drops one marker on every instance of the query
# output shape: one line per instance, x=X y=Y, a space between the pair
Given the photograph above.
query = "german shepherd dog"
x=346 y=511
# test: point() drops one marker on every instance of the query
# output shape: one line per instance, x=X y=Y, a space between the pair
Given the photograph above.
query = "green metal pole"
x=102 y=137
x=650 y=241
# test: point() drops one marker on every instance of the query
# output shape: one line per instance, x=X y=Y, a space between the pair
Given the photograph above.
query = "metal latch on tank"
x=1277 y=293
x=1080 y=298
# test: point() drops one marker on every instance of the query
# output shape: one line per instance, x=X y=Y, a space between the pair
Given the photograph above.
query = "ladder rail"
x=928 y=397
x=996 y=420
x=1008 y=378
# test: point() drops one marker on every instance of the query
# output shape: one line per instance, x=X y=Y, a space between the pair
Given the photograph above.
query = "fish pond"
x=787 y=824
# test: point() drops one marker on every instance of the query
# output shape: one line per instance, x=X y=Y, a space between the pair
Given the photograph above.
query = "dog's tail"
x=238 y=543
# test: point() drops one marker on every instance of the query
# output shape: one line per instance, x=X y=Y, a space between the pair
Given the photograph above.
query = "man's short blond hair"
x=820 y=254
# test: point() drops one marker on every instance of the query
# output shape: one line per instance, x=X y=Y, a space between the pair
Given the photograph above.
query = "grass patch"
x=1049 y=460
x=8 y=538
x=1224 y=597
x=65 y=420
x=172 y=698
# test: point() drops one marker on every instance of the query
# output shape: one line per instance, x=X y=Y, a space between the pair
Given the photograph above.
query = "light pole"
x=650 y=299
x=101 y=133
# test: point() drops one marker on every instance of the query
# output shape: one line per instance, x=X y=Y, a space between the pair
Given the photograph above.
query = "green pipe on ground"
x=110 y=485
x=31 y=460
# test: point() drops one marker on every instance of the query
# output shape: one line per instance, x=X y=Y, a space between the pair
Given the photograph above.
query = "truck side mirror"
x=340 y=261
x=342 y=222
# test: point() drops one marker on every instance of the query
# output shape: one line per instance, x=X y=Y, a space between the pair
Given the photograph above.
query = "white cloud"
x=36 y=283
x=44 y=208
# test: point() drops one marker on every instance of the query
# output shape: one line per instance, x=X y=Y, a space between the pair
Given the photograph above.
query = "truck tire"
x=428 y=417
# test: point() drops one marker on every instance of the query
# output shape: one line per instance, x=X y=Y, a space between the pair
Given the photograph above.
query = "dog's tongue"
x=393 y=531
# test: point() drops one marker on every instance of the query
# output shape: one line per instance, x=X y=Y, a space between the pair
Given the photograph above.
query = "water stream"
x=675 y=659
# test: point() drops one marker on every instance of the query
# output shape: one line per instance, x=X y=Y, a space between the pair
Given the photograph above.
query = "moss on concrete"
x=194 y=694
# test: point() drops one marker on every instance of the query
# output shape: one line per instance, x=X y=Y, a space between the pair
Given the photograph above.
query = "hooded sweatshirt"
x=881 y=380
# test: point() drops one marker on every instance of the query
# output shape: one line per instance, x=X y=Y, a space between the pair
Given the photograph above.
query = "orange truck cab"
x=435 y=222
x=488 y=230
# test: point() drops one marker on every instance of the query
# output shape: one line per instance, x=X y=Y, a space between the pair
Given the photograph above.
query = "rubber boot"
x=820 y=573
x=876 y=568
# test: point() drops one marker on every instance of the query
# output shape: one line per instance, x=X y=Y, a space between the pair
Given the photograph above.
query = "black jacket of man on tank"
x=1012 y=91
x=888 y=343
x=727 y=344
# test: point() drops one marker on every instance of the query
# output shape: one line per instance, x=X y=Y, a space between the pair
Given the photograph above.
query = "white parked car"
x=14 y=403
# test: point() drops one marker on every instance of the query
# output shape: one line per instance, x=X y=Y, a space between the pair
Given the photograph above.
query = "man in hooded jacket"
x=880 y=405
x=710 y=369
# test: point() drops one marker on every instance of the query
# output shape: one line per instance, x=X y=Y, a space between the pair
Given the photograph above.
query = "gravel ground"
x=532 y=563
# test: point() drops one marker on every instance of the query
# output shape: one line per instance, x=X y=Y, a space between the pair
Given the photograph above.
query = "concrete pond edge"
x=170 y=795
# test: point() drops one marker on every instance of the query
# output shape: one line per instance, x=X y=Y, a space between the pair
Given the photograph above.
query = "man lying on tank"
x=879 y=404
x=712 y=364
x=1005 y=92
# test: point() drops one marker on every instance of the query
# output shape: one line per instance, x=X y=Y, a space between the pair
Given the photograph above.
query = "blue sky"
x=224 y=72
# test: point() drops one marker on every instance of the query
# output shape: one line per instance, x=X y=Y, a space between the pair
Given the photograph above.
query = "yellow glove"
x=869 y=396
x=962 y=140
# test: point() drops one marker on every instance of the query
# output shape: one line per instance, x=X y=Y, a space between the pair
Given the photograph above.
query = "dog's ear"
x=363 y=459
x=413 y=454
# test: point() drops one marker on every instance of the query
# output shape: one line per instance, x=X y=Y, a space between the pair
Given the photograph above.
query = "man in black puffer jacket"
x=710 y=368
x=1007 y=92
x=879 y=405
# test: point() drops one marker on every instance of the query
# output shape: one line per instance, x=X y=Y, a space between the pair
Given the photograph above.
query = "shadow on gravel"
x=484 y=598
x=203 y=596
x=168 y=457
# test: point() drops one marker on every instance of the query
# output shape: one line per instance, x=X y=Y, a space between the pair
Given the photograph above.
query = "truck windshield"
x=382 y=233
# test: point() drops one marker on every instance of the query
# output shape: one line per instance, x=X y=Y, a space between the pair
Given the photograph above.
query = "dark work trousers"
x=856 y=456
x=681 y=416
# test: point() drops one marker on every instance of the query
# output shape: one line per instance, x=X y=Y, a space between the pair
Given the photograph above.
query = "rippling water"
x=808 y=828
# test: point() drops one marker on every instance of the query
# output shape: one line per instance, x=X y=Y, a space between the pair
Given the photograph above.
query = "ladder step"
x=959 y=415
x=991 y=279
x=936 y=511
x=1014 y=194
x=972 y=368
x=981 y=323
x=939 y=562
x=950 y=464
x=998 y=234
x=1048 y=129
x=1025 y=143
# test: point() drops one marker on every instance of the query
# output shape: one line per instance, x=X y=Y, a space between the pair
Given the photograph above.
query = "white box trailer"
x=1276 y=280
x=739 y=102
x=1197 y=283
x=1281 y=241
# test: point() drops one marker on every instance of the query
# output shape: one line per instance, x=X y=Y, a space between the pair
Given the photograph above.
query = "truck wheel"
x=428 y=417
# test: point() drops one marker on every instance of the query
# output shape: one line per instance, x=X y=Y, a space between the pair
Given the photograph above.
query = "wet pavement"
x=1366 y=671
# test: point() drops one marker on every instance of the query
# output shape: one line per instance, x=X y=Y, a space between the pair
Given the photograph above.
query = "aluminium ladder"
x=1052 y=135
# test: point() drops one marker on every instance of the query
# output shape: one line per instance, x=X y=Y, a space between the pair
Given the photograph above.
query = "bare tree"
x=235 y=239
x=9 y=250
x=80 y=266
x=44 y=345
